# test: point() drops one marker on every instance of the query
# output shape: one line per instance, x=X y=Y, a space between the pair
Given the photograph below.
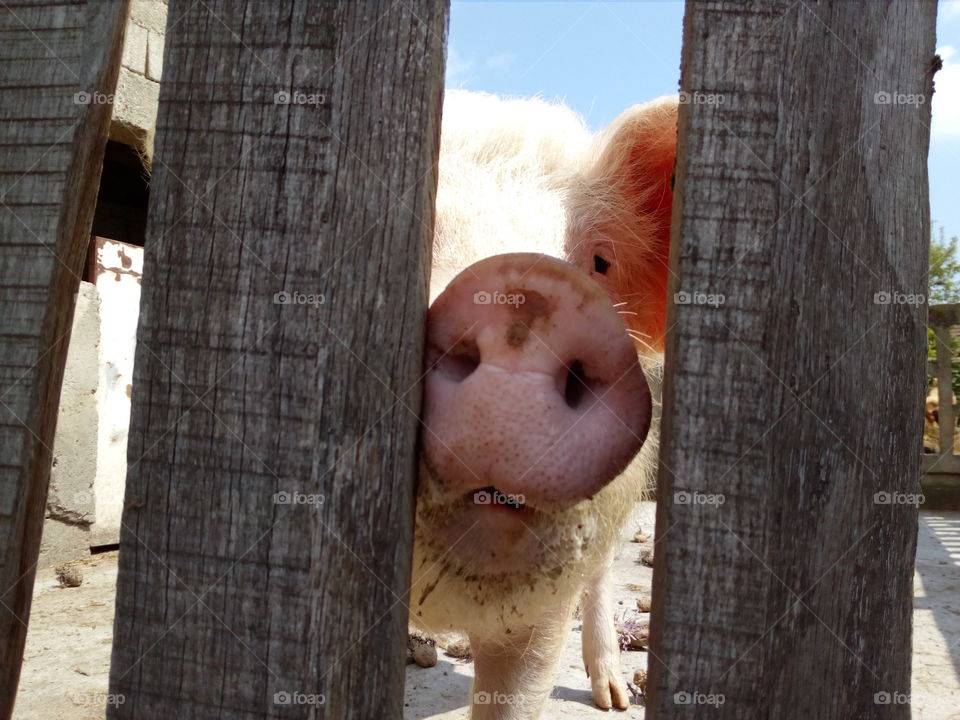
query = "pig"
x=548 y=294
x=619 y=217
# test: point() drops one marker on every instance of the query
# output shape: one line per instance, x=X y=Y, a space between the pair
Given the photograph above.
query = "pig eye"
x=600 y=265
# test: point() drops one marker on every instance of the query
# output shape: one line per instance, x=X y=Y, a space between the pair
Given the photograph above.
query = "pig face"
x=534 y=400
x=619 y=210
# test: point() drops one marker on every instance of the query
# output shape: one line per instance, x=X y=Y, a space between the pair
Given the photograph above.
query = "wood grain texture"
x=58 y=68
x=795 y=397
x=265 y=549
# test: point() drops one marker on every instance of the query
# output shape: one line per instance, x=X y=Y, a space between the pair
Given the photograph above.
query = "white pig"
x=537 y=436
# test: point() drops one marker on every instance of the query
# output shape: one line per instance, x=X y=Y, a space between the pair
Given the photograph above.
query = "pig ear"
x=634 y=168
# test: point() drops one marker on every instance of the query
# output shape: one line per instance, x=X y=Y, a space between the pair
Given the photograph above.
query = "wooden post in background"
x=267 y=528
x=793 y=394
x=945 y=389
x=58 y=69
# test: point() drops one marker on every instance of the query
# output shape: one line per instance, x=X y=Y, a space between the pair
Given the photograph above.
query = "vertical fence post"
x=786 y=516
x=58 y=69
x=267 y=528
x=944 y=388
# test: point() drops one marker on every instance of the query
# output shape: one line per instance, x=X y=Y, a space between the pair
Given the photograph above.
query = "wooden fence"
x=802 y=194
x=802 y=200
x=52 y=58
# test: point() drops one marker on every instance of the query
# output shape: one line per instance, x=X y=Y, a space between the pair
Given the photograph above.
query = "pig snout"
x=534 y=397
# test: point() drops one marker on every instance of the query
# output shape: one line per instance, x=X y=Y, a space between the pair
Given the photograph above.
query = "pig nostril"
x=576 y=385
x=459 y=362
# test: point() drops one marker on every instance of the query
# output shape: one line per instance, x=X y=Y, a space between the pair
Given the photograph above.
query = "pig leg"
x=601 y=651
x=513 y=679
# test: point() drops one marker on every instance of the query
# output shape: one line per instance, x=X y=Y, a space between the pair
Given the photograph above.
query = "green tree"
x=944 y=275
x=944 y=287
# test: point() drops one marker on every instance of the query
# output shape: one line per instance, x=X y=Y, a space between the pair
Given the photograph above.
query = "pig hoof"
x=609 y=690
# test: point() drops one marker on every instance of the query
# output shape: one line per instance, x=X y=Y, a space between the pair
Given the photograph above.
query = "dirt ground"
x=67 y=657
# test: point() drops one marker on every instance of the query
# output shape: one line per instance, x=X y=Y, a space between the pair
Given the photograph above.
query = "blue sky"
x=571 y=51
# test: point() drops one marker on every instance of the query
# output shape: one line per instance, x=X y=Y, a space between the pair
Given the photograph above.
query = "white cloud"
x=500 y=61
x=948 y=11
x=946 y=96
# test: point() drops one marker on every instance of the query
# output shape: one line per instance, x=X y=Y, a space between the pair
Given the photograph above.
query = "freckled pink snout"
x=533 y=386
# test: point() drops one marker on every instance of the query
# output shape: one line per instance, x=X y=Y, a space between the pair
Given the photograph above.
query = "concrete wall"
x=89 y=469
x=71 y=503
x=119 y=268
x=138 y=87
x=74 y=469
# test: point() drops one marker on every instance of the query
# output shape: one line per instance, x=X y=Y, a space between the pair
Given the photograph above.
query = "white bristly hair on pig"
x=504 y=167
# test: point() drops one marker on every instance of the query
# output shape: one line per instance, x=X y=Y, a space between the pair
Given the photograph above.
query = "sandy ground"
x=936 y=618
x=67 y=656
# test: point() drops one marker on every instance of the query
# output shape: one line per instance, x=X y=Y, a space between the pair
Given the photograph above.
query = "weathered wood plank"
x=944 y=315
x=297 y=147
x=51 y=151
x=944 y=389
x=803 y=194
